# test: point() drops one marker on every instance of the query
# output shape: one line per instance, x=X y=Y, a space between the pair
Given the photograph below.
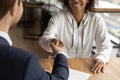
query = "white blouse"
x=78 y=40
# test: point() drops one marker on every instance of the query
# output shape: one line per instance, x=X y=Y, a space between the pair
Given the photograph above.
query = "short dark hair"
x=89 y=7
x=5 y=6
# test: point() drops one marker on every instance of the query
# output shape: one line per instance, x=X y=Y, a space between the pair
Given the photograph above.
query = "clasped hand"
x=57 y=46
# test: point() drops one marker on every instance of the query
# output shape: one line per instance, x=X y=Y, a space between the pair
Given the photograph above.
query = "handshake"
x=57 y=46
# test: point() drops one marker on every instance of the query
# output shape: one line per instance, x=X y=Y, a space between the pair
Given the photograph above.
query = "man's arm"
x=60 y=68
x=34 y=71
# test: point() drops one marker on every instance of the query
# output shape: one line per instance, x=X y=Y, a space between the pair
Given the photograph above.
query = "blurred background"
x=38 y=12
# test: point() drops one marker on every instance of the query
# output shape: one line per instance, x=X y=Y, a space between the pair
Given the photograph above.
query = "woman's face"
x=77 y=5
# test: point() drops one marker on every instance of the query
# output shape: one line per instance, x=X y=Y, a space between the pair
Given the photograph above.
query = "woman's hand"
x=98 y=66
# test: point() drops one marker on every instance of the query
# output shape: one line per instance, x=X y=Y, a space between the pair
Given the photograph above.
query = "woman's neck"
x=78 y=16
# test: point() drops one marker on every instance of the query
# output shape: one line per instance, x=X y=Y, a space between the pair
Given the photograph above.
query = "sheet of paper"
x=78 y=75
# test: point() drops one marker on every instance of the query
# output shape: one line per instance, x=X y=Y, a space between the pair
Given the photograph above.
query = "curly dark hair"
x=89 y=7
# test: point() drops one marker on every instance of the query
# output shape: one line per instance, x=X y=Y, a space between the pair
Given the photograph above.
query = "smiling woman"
x=78 y=27
x=89 y=4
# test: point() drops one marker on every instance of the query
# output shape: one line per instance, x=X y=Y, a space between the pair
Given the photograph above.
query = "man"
x=17 y=64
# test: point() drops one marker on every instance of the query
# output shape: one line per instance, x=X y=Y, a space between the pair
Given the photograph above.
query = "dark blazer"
x=17 y=64
x=3 y=41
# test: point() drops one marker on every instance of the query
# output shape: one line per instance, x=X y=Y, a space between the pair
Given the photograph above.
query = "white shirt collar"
x=6 y=36
x=85 y=18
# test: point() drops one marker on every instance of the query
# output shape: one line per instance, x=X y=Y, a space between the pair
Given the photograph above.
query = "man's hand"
x=98 y=66
x=57 y=42
x=57 y=46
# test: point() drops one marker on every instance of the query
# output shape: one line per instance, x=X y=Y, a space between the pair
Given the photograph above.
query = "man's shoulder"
x=14 y=53
x=14 y=62
x=3 y=41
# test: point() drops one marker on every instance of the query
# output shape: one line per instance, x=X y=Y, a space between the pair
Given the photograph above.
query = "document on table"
x=78 y=75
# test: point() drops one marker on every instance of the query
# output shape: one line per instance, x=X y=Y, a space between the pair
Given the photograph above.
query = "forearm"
x=103 y=44
x=61 y=66
x=45 y=44
x=104 y=53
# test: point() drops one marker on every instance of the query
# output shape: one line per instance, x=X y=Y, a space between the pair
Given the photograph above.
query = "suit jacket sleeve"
x=34 y=71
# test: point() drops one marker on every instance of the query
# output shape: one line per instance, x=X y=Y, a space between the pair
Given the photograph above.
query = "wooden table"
x=111 y=71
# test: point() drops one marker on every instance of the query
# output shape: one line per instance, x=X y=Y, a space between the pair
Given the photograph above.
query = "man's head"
x=12 y=9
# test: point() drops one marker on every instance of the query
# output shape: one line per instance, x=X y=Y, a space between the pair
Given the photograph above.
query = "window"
x=110 y=10
x=108 y=4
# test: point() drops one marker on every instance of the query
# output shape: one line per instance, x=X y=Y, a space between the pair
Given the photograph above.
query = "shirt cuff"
x=61 y=52
x=102 y=58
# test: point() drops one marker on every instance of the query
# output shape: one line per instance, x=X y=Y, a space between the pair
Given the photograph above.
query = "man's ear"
x=87 y=1
x=13 y=9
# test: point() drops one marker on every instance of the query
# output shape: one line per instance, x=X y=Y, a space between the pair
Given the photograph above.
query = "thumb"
x=57 y=43
x=53 y=45
x=61 y=44
x=54 y=48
